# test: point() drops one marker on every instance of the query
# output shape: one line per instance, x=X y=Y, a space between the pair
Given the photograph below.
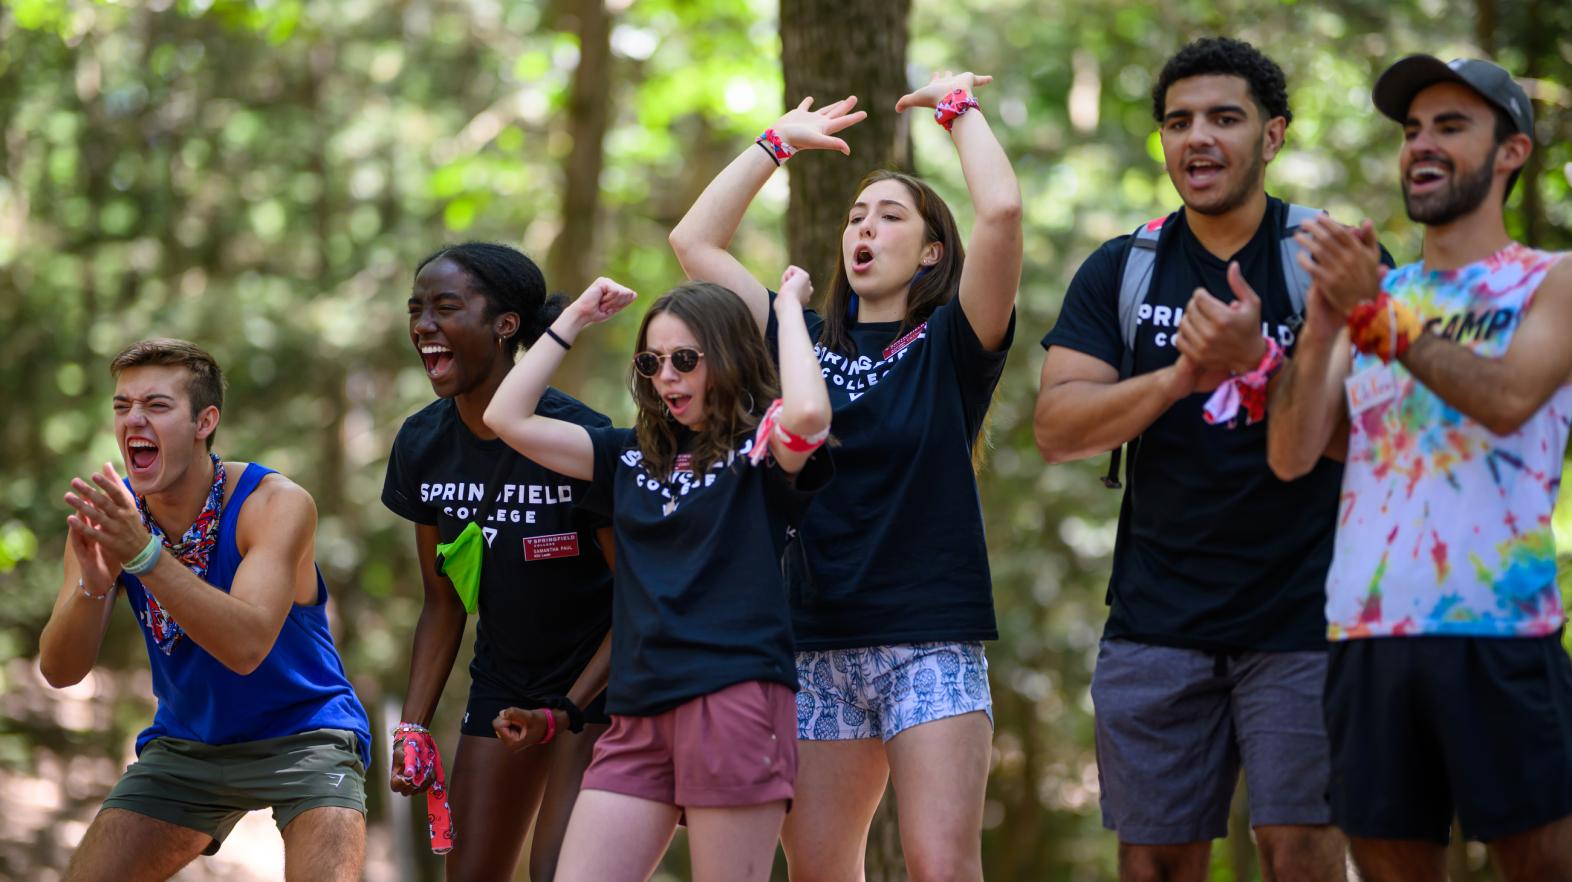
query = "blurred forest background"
x=262 y=176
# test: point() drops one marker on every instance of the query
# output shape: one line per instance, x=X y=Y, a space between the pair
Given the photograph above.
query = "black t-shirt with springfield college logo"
x=700 y=599
x=895 y=550
x=545 y=589
x=1213 y=551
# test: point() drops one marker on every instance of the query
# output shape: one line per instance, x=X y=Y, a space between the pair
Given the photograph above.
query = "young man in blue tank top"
x=1448 y=689
x=254 y=710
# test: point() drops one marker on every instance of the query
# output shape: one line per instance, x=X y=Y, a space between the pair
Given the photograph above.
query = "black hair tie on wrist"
x=560 y=342
x=575 y=714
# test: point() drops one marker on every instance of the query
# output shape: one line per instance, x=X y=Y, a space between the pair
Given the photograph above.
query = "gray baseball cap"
x=1398 y=85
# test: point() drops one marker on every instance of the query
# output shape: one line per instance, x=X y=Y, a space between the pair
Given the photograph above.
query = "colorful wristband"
x=951 y=106
x=551 y=725
x=145 y=559
x=779 y=150
x=1247 y=391
x=770 y=425
x=1383 y=327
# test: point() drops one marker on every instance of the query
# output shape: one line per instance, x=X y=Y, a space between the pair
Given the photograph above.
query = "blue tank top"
x=300 y=686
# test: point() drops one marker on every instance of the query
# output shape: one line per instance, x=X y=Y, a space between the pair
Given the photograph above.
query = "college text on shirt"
x=860 y=374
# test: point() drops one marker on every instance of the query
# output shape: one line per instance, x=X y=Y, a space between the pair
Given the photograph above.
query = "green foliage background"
x=262 y=176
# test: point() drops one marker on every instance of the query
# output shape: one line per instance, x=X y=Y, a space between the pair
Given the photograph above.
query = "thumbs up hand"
x=1223 y=336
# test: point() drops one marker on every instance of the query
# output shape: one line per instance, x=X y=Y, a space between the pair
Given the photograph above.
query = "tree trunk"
x=570 y=261
x=831 y=49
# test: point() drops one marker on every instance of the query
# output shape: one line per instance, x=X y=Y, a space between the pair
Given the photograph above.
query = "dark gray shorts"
x=209 y=787
x=1175 y=725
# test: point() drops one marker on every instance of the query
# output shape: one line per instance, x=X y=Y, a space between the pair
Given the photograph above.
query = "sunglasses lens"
x=646 y=363
x=685 y=360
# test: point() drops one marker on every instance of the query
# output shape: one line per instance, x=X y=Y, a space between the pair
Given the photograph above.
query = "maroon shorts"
x=734 y=747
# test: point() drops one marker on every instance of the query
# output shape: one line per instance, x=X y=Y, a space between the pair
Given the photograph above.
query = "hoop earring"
x=749 y=393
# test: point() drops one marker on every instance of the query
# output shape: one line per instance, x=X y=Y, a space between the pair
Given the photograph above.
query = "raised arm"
x=238 y=627
x=704 y=234
x=805 y=408
x=558 y=445
x=992 y=273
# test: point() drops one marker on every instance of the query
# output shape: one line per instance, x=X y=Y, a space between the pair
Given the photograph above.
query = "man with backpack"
x=1214 y=654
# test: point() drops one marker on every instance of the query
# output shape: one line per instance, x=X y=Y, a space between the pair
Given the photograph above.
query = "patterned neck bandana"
x=194 y=550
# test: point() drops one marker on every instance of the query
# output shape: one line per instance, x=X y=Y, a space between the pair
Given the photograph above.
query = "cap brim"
x=1398 y=84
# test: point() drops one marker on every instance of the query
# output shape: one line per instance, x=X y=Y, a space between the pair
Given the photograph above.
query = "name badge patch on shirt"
x=552 y=546
x=905 y=341
x=1371 y=387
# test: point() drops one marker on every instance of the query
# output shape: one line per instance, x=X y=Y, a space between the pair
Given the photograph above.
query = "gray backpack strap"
x=1134 y=281
x=1295 y=279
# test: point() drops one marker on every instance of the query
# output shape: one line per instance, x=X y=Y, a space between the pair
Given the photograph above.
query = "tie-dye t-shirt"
x=1444 y=527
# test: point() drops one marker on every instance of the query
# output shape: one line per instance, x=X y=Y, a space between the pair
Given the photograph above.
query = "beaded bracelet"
x=80 y=586
x=145 y=559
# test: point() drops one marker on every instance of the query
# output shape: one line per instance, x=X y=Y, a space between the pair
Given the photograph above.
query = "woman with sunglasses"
x=702 y=494
x=893 y=598
x=544 y=592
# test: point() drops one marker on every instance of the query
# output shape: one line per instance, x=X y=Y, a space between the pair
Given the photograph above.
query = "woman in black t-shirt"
x=892 y=599
x=544 y=592
x=703 y=494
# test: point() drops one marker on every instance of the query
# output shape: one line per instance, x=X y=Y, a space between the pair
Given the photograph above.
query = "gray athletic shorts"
x=1175 y=725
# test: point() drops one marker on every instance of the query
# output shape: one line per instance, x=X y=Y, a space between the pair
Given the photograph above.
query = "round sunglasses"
x=684 y=359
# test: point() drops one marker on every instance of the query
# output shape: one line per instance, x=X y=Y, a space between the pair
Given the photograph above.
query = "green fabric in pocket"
x=460 y=561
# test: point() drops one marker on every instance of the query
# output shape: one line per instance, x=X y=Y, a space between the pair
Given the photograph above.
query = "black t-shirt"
x=895 y=550
x=545 y=589
x=1213 y=551
x=700 y=600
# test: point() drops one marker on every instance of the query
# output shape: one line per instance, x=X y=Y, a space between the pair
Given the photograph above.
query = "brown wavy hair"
x=741 y=378
x=929 y=290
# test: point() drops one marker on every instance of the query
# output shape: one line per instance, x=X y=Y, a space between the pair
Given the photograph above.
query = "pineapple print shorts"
x=881 y=691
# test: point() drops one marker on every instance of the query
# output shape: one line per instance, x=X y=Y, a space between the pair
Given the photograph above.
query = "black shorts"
x=484 y=707
x=1425 y=726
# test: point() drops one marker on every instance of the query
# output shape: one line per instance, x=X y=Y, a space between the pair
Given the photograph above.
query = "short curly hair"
x=1228 y=57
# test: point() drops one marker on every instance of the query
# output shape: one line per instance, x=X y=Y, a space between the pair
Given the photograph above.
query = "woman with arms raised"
x=893 y=598
x=702 y=494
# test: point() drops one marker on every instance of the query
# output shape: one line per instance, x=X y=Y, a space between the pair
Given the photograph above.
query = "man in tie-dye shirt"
x=1448 y=688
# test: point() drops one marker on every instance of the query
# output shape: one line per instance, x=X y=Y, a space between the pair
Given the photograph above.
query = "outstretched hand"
x=942 y=84
x=796 y=286
x=807 y=129
x=602 y=300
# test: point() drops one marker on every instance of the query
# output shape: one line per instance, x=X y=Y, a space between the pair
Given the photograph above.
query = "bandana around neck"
x=194 y=551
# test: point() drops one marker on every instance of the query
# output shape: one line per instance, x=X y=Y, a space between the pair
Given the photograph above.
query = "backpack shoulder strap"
x=1295 y=279
x=1135 y=279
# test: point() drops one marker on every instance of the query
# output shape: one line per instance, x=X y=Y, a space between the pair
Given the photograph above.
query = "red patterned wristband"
x=951 y=106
